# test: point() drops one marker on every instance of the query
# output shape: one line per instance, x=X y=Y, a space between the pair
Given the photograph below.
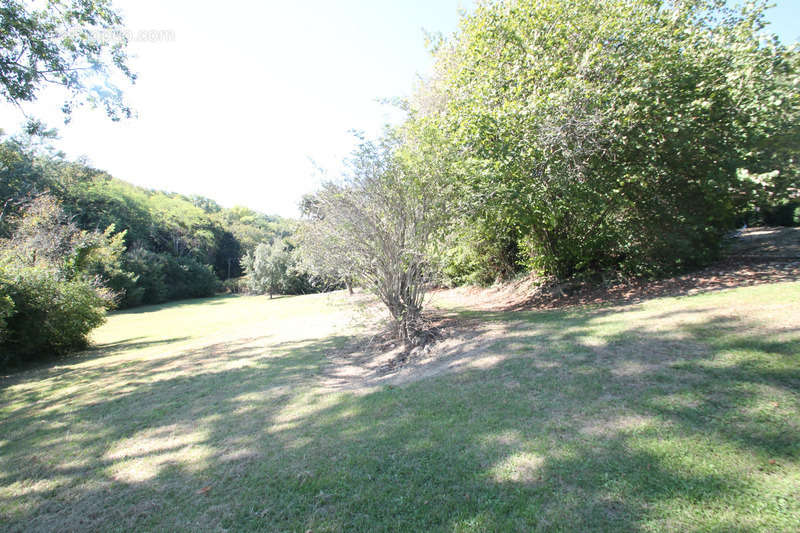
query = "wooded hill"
x=175 y=246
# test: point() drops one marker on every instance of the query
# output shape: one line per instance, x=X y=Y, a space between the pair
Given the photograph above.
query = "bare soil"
x=367 y=363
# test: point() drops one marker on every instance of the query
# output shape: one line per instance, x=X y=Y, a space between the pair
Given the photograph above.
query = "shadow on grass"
x=177 y=304
x=651 y=430
x=60 y=364
x=135 y=343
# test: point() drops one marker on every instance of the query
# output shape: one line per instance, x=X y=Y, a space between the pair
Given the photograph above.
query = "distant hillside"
x=178 y=246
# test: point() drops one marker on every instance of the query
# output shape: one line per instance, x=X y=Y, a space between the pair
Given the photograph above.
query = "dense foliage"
x=267 y=267
x=564 y=137
x=615 y=134
x=52 y=282
x=570 y=138
x=174 y=246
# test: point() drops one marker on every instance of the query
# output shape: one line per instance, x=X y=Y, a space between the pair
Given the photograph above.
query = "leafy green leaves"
x=609 y=134
x=77 y=45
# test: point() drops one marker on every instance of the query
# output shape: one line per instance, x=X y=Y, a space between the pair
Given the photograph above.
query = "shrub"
x=380 y=225
x=161 y=277
x=188 y=278
x=50 y=316
x=235 y=285
x=6 y=310
x=151 y=286
x=53 y=282
x=267 y=269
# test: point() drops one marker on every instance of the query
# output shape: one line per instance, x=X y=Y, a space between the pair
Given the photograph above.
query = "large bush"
x=151 y=285
x=381 y=226
x=611 y=134
x=50 y=315
x=267 y=269
x=276 y=269
x=188 y=278
x=52 y=285
x=162 y=277
x=6 y=310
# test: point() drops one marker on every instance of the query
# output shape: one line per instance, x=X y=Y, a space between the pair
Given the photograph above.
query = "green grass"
x=680 y=414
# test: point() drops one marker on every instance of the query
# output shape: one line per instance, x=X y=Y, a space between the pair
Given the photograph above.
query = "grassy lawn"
x=673 y=415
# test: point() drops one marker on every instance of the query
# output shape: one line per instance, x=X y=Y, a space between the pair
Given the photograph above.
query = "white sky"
x=248 y=92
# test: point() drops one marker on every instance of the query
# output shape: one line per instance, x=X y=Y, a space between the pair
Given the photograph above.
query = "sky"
x=240 y=101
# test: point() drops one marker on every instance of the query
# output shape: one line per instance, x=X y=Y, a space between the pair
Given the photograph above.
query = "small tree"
x=267 y=268
x=378 y=226
x=323 y=254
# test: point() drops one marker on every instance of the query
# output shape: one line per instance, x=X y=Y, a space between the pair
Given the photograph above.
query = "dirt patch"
x=766 y=243
x=365 y=364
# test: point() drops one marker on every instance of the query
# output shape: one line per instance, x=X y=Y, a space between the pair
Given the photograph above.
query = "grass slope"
x=674 y=415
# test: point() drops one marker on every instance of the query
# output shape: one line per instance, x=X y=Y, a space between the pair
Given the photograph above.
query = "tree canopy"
x=610 y=134
x=77 y=45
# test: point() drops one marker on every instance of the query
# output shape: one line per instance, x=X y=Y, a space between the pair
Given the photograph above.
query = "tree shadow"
x=61 y=365
x=177 y=304
x=134 y=343
x=651 y=429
